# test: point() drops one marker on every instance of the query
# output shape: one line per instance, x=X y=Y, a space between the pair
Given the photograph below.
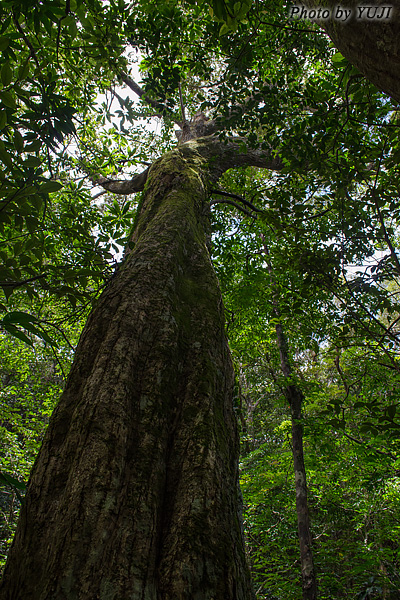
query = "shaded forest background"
x=311 y=248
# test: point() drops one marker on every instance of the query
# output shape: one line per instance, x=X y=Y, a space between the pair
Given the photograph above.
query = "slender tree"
x=295 y=398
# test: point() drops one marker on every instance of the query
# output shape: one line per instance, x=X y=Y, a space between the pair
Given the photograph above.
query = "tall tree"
x=295 y=398
x=139 y=462
x=135 y=490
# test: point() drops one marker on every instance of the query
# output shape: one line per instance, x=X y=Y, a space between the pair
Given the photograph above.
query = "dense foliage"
x=313 y=248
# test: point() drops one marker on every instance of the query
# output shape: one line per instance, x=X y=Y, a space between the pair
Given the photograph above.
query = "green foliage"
x=55 y=59
x=31 y=382
x=354 y=508
x=230 y=12
x=337 y=302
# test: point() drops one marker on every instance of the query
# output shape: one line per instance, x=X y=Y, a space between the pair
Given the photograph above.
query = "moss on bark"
x=134 y=493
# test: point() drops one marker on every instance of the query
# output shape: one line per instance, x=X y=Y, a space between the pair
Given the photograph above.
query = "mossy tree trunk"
x=135 y=491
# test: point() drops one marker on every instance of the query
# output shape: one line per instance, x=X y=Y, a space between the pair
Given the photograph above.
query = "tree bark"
x=372 y=45
x=135 y=492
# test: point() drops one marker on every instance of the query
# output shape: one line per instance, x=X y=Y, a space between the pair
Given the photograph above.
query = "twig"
x=27 y=42
x=163 y=110
x=19 y=283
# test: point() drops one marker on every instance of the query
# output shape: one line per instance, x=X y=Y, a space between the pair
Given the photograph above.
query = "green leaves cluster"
x=230 y=12
x=56 y=57
x=321 y=260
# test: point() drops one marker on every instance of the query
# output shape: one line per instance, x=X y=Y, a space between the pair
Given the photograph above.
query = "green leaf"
x=50 y=186
x=5 y=157
x=224 y=30
x=338 y=58
x=219 y=9
x=368 y=428
x=18 y=141
x=22 y=318
x=8 y=99
x=32 y=223
x=23 y=71
x=32 y=161
x=6 y=479
x=3 y=119
x=6 y=74
x=73 y=30
x=14 y=331
x=4 y=42
x=33 y=146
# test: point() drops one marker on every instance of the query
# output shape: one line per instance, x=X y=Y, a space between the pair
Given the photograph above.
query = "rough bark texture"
x=134 y=494
x=373 y=46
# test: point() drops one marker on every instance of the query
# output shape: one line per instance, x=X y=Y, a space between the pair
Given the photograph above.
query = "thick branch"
x=119 y=186
x=220 y=156
x=231 y=153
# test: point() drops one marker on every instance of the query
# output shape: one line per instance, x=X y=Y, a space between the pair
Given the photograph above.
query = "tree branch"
x=27 y=42
x=239 y=198
x=220 y=157
x=353 y=439
x=119 y=186
x=230 y=153
x=235 y=204
x=341 y=374
x=161 y=109
x=15 y=284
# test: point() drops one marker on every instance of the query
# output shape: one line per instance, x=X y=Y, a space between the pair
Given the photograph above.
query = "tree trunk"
x=295 y=398
x=370 y=40
x=135 y=491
